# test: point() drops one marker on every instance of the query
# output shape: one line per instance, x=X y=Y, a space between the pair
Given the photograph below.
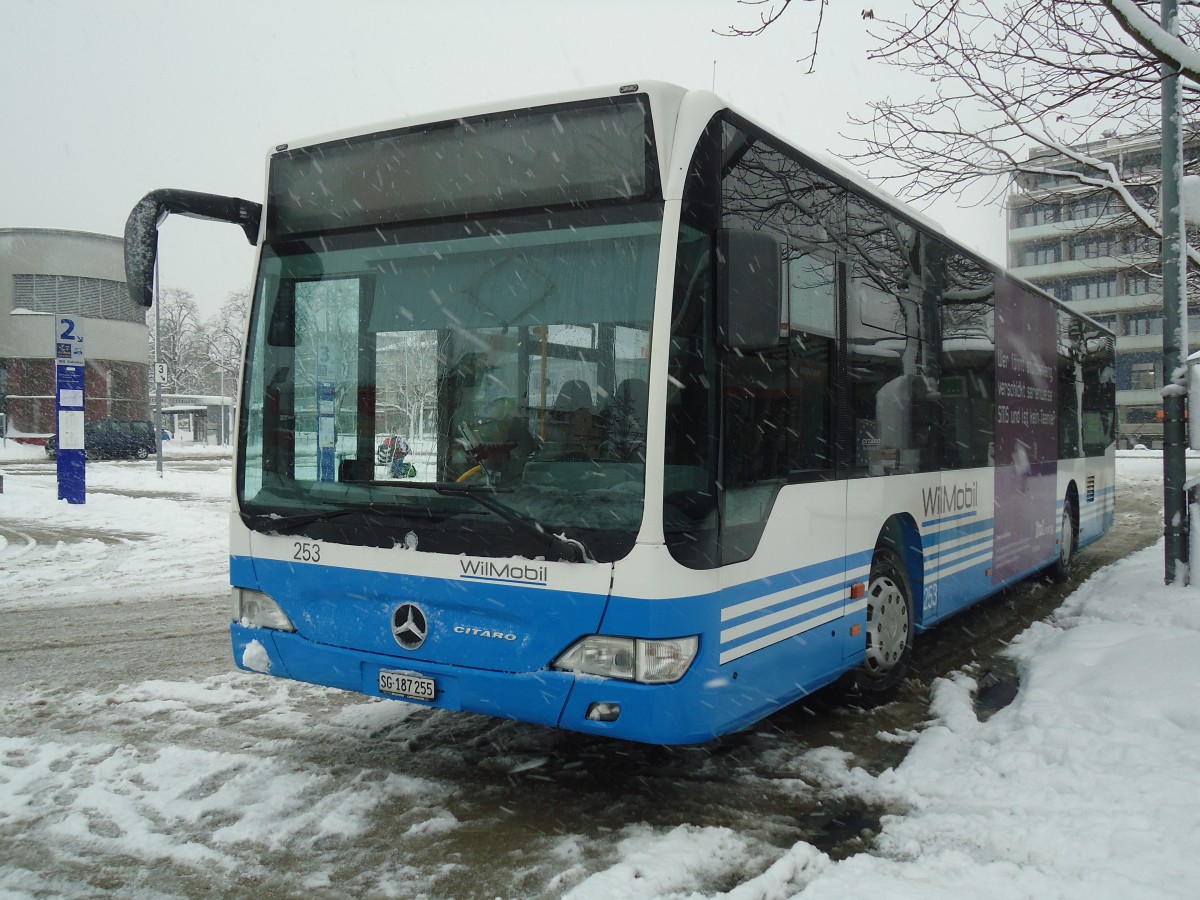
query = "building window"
x=93 y=298
x=1094 y=246
x=1059 y=290
x=1143 y=376
x=1138 y=283
x=1041 y=254
x=1093 y=288
x=1036 y=214
x=1141 y=243
x=1092 y=207
x=1143 y=324
x=1146 y=195
x=1141 y=415
x=1141 y=163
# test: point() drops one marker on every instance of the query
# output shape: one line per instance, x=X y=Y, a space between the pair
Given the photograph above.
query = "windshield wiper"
x=276 y=522
x=567 y=548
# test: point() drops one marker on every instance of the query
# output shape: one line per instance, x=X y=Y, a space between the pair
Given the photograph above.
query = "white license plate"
x=405 y=684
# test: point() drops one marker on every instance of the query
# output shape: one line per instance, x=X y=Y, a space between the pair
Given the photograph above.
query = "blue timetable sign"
x=70 y=380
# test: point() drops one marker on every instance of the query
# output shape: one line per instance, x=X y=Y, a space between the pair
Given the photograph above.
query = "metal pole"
x=1174 y=271
x=158 y=419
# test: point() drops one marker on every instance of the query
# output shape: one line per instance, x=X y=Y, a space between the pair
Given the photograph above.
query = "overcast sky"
x=104 y=101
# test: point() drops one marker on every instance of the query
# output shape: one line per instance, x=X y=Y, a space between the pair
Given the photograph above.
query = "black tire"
x=1060 y=569
x=889 y=634
x=142 y=453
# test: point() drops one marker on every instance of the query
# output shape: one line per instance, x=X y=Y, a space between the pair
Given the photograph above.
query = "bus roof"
x=680 y=115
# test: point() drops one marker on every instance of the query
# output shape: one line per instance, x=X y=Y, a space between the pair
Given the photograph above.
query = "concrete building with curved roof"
x=45 y=273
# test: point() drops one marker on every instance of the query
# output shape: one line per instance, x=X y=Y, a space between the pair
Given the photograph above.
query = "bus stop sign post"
x=70 y=376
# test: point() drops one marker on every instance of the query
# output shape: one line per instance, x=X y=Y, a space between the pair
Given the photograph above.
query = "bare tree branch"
x=776 y=9
x=1019 y=91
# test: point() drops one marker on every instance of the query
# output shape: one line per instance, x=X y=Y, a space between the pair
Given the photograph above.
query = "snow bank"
x=1086 y=786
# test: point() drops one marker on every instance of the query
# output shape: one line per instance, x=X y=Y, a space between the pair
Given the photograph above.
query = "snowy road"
x=135 y=762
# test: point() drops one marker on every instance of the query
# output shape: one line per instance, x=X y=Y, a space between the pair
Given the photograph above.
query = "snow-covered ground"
x=1087 y=785
x=136 y=534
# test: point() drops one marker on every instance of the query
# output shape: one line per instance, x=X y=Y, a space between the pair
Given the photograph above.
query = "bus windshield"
x=461 y=392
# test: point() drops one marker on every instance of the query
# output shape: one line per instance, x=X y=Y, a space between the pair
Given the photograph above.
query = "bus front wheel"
x=889 y=633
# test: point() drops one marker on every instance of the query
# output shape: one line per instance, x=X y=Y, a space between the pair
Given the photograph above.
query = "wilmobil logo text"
x=950 y=498
x=509 y=573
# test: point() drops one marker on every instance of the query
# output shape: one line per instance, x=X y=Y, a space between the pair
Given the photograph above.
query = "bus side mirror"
x=141 y=230
x=748 y=289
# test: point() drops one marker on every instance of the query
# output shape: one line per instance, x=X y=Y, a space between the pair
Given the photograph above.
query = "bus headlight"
x=632 y=659
x=254 y=609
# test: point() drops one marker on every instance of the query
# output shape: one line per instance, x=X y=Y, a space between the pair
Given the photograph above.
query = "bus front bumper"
x=659 y=714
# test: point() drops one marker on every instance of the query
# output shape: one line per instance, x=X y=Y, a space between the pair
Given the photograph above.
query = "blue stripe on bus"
x=778 y=631
x=953 y=518
x=979 y=556
x=935 y=538
x=770 y=584
x=818 y=604
x=956 y=554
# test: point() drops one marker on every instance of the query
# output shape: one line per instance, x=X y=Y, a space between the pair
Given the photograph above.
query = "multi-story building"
x=46 y=272
x=1082 y=245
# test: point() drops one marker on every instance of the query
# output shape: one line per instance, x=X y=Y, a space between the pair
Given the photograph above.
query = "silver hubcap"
x=1068 y=538
x=887 y=624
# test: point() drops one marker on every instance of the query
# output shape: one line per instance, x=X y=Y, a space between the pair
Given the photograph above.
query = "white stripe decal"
x=981 y=559
x=958 y=547
x=738 y=610
x=778 y=636
x=784 y=615
x=961 y=553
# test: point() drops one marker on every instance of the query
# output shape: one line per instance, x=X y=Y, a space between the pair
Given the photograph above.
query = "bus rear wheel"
x=1060 y=569
x=889 y=634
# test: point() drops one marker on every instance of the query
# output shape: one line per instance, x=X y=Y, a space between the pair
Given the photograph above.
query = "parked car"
x=113 y=439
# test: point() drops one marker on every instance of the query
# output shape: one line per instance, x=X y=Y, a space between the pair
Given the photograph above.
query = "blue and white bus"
x=699 y=422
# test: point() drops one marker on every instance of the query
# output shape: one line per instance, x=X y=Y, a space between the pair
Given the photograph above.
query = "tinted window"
x=741 y=424
x=968 y=363
x=892 y=343
x=517 y=160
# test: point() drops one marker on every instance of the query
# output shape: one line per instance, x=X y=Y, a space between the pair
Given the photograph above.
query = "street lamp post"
x=158 y=417
x=1174 y=271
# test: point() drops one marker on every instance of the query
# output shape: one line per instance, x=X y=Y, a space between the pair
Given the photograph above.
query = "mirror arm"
x=141 y=230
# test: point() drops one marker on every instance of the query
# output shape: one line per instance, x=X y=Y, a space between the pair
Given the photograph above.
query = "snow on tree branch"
x=1166 y=47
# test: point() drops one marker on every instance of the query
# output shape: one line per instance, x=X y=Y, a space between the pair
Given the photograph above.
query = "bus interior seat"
x=571 y=425
x=625 y=420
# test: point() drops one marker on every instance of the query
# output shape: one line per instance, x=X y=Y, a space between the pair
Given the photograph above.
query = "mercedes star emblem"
x=409 y=626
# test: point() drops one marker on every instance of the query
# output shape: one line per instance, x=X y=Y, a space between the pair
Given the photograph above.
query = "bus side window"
x=1099 y=391
x=777 y=416
x=812 y=317
x=1071 y=353
x=968 y=363
x=892 y=339
x=889 y=395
